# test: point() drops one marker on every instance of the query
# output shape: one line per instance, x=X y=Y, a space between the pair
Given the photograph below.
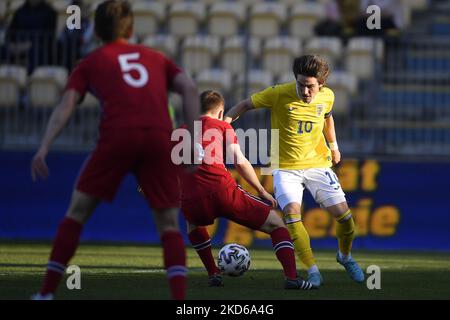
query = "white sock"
x=313 y=269
x=343 y=257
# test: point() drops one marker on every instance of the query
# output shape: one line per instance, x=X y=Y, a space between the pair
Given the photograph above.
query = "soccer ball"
x=234 y=260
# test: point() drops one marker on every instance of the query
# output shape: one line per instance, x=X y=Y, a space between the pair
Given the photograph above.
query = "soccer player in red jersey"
x=211 y=192
x=132 y=83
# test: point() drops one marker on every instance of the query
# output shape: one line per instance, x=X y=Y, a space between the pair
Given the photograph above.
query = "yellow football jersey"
x=301 y=142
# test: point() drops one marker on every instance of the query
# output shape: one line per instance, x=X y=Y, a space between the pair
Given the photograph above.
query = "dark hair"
x=113 y=20
x=311 y=66
x=210 y=100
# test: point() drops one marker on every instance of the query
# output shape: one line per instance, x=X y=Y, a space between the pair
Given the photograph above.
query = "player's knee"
x=338 y=210
x=273 y=222
x=292 y=209
x=81 y=207
x=166 y=219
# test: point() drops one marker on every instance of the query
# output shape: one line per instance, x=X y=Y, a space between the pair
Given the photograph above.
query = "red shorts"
x=145 y=153
x=233 y=203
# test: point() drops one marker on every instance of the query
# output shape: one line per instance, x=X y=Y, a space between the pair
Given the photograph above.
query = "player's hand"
x=335 y=156
x=39 y=168
x=228 y=119
x=268 y=197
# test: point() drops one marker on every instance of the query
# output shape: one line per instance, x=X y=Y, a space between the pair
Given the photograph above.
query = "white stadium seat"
x=360 y=55
x=265 y=19
x=224 y=18
x=214 y=79
x=329 y=48
x=89 y=101
x=278 y=54
x=12 y=81
x=233 y=53
x=185 y=17
x=344 y=86
x=45 y=86
x=286 y=77
x=257 y=80
x=199 y=52
x=167 y=44
x=147 y=16
x=304 y=16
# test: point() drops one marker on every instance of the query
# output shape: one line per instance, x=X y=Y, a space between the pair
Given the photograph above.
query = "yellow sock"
x=345 y=232
x=300 y=239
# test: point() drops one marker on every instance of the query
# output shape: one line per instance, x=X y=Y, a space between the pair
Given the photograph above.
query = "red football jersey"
x=131 y=83
x=212 y=175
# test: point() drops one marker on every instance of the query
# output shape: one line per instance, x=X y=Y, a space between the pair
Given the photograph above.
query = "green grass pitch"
x=135 y=272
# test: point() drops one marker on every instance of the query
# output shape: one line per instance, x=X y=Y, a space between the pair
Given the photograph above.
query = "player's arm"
x=236 y=111
x=246 y=171
x=330 y=135
x=185 y=86
x=58 y=120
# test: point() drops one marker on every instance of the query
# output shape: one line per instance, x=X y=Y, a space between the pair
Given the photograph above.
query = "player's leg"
x=281 y=242
x=254 y=213
x=301 y=240
x=345 y=233
x=173 y=250
x=288 y=185
x=326 y=190
x=158 y=178
x=201 y=241
x=67 y=240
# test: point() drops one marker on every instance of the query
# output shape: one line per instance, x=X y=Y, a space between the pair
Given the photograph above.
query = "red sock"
x=64 y=247
x=175 y=263
x=284 y=249
x=201 y=242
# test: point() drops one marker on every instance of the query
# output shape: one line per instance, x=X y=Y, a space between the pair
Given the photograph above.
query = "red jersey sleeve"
x=171 y=70
x=230 y=134
x=78 y=79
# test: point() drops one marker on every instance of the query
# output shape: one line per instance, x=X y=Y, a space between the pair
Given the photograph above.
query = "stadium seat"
x=214 y=79
x=278 y=53
x=199 y=52
x=360 y=55
x=257 y=80
x=265 y=19
x=162 y=42
x=3 y=11
x=233 y=53
x=415 y=4
x=12 y=82
x=286 y=77
x=329 y=48
x=304 y=16
x=147 y=16
x=250 y=2
x=344 y=85
x=45 y=86
x=224 y=18
x=185 y=17
x=170 y=2
x=291 y=2
x=89 y=101
x=16 y=4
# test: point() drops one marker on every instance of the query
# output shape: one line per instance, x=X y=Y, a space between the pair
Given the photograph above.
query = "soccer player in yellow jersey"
x=302 y=112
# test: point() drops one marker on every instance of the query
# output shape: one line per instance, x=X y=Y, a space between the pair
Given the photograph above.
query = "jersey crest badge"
x=319 y=109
